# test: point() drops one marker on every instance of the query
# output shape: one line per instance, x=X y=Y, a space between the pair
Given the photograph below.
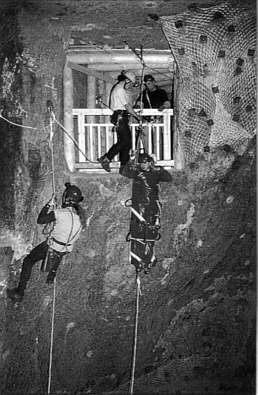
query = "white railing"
x=95 y=134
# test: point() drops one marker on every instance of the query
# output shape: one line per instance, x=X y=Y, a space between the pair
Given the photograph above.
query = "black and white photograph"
x=128 y=197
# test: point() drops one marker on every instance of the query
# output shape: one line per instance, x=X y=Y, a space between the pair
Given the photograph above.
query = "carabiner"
x=127 y=204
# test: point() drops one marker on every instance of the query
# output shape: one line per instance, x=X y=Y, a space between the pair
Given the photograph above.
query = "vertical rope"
x=52 y=152
x=138 y=293
x=51 y=340
x=54 y=291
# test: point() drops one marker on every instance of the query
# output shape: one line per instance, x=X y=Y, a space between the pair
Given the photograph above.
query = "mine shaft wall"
x=197 y=311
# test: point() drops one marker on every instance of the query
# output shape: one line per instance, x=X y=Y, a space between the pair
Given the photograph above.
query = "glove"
x=132 y=155
x=50 y=278
x=52 y=201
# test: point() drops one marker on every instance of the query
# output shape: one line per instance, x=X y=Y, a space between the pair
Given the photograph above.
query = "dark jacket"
x=46 y=215
x=145 y=188
x=154 y=99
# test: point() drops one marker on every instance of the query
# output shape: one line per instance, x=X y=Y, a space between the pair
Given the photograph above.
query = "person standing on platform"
x=121 y=104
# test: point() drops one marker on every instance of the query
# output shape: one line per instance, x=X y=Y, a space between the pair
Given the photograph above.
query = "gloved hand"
x=50 y=278
x=132 y=155
x=52 y=201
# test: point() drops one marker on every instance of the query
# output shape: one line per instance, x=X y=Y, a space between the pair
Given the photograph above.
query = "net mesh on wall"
x=214 y=49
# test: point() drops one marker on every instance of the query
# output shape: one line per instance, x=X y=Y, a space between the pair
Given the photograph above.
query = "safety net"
x=214 y=49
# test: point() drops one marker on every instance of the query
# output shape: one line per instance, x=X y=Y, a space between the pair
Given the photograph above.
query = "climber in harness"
x=121 y=104
x=145 y=207
x=67 y=222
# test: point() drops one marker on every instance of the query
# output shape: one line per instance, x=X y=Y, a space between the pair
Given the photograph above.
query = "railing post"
x=167 y=135
x=91 y=133
x=81 y=137
x=91 y=103
x=68 y=117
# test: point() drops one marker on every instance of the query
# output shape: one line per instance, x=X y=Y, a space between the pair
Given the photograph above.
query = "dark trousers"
x=124 y=141
x=146 y=232
x=144 y=251
x=39 y=253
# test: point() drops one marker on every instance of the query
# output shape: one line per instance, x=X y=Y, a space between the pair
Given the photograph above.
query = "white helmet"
x=130 y=76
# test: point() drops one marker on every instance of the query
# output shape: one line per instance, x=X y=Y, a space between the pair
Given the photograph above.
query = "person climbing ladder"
x=68 y=221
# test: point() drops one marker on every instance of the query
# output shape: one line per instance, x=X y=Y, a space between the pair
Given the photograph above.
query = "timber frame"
x=104 y=65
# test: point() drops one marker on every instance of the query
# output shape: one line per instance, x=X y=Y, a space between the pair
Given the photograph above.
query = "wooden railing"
x=95 y=134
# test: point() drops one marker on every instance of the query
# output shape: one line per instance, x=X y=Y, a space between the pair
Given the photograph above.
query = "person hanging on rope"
x=121 y=104
x=153 y=96
x=146 y=208
x=67 y=222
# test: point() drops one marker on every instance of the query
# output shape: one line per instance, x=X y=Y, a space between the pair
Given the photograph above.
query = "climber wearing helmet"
x=121 y=104
x=67 y=222
x=145 y=202
x=147 y=176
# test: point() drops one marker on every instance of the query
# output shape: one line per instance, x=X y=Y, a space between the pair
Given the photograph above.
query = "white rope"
x=53 y=119
x=72 y=139
x=138 y=293
x=52 y=153
x=51 y=340
x=20 y=125
x=54 y=291
x=17 y=124
x=51 y=146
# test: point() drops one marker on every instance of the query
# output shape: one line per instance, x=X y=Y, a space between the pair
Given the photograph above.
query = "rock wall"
x=197 y=309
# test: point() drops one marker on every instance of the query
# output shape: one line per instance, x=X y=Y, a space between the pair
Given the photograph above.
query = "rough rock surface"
x=197 y=309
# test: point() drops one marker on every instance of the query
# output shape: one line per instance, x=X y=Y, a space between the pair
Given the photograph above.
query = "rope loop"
x=128 y=202
x=128 y=237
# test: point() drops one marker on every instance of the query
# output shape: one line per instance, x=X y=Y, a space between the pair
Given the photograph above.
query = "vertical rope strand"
x=51 y=340
x=54 y=290
x=138 y=292
x=52 y=153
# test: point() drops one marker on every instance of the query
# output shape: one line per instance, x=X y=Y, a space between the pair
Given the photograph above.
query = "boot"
x=50 y=277
x=147 y=269
x=121 y=169
x=138 y=266
x=104 y=161
x=15 y=294
x=149 y=265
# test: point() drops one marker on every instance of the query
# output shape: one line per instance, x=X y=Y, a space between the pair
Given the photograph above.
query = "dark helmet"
x=72 y=195
x=144 y=157
x=148 y=77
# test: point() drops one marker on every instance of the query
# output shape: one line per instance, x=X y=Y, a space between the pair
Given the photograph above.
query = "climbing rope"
x=16 y=124
x=139 y=138
x=139 y=144
x=138 y=293
x=52 y=152
x=52 y=120
x=51 y=340
x=51 y=146
x=72 y=139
